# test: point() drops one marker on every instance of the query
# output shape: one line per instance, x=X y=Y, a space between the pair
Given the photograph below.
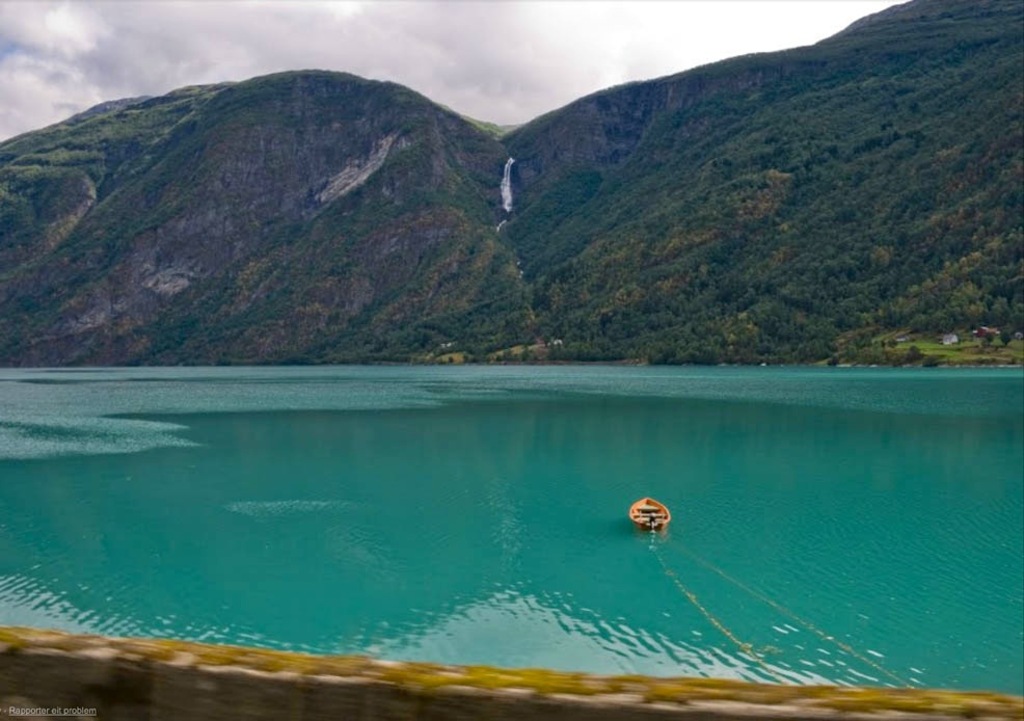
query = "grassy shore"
x=931 y=351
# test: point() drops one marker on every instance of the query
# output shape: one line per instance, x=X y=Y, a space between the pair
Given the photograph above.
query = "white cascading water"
x=506 y=186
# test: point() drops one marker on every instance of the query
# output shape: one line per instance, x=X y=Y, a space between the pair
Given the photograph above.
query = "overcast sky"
x=505 y=62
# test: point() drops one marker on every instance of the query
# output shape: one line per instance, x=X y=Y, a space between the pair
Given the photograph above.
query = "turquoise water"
x=851 y=526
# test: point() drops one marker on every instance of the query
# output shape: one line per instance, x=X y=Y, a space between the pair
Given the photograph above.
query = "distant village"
x=980 y=333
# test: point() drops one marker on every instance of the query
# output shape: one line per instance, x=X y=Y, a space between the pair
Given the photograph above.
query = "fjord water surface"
x=851 y=526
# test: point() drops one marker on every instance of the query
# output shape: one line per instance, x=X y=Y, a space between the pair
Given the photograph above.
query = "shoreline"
x=541 y=364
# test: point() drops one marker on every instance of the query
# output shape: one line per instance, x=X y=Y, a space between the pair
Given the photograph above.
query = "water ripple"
x=273 y=509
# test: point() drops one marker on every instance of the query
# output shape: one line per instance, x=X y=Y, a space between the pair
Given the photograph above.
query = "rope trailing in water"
x=790 y=614
x=745 y=648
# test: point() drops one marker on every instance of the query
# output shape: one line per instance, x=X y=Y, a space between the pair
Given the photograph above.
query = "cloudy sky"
x=505 y=62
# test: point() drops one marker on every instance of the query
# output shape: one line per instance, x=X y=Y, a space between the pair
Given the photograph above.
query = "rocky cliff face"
x=774 y=207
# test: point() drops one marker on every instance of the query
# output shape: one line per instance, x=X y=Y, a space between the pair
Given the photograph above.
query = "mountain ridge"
x=778 y=207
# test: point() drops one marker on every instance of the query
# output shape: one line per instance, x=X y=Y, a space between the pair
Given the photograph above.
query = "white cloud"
x=69 y=30
x=501 y=61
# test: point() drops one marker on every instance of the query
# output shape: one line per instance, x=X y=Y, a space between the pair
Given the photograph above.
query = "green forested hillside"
x=787 y=207
x=871 y=182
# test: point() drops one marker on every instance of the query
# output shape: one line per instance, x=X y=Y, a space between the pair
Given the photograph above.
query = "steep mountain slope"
x=786 y=206
x=781 y=207
x=297 y=216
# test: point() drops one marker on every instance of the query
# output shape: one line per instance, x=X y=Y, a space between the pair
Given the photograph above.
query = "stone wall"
x=165 y=680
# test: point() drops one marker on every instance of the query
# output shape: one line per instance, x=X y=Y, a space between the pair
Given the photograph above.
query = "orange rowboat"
x=649 y=515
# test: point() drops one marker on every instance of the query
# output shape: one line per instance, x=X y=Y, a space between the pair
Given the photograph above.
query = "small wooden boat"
x=649 y=515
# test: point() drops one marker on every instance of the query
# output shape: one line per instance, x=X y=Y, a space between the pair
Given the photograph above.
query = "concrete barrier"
x=166 y=680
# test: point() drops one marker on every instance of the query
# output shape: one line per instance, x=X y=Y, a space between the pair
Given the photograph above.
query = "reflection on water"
x=480 y=518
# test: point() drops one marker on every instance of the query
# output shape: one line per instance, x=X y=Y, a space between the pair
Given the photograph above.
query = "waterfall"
x=506 y=186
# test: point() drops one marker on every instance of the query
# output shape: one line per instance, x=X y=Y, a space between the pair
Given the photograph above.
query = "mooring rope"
x=790 y=614
x=745 y=648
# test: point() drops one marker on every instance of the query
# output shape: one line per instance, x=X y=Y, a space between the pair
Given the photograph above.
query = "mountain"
x=778 y=206
x=298 y=216
x=790 y=206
